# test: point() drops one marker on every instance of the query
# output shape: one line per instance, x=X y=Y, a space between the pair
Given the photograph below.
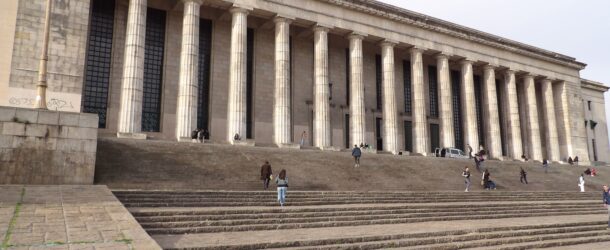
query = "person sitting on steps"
x=237 y=137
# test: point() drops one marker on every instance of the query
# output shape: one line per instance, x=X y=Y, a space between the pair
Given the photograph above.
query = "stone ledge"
x=331 y=148
x=139 y=136
x=289 y=145
x=249 y=143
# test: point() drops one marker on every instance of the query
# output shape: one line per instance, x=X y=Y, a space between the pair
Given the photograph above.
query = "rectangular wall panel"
x=153 y=70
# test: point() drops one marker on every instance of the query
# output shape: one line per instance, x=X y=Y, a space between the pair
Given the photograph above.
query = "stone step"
x=309 y=203
x=289 y=215
x=190 y=229
x=526 y=242
x=387 y=241
x=570 y=243
x=349 y=208
x=336 y=193
x=298 y=219
x=293 y=196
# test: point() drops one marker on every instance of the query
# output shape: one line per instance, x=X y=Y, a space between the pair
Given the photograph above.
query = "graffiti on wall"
x=52 y=103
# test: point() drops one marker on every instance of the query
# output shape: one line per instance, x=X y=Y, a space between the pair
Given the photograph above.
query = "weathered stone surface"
x=47 y=153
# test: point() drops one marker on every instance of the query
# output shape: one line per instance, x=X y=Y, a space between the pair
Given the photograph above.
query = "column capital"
x=442 y=55
x=240 y=9
x=529 y=75
x=490 y=66
x=466 y=61
x=509 y=72
x=387 y=42
x=416 y=49
x=546 y=79
x=356 y=35
x=283 y=19
x=194 y=1
x=321 y=27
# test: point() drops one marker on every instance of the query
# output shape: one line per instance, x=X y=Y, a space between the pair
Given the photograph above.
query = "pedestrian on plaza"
x=266 y=174
x=606 y=199
x=469 y=151
x=356 y=153
x=200 y=136
x=581 y=182
x=576 y=160
x=523 y=176
x=303 y=136
x=466 y=175
x=485 y=181
x=545 y=165
x=194 y=135
x=282 y=185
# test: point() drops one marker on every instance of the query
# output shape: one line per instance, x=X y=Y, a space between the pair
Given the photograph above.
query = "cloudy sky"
x=579 y=29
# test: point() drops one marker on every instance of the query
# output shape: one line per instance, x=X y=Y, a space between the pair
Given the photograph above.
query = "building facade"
x=341 y=72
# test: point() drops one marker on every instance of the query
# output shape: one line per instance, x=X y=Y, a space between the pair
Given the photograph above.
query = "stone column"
x=469 y=120
x=281 y=106
x=552 y=138
x=533 y=128
x=321 y=104
x=420 y=133
x=236 y=113
x=388 y=89
x=130 y=114
x=356 y=106
x=561 y=102
x=445 y=100
x=186 y=115
x=515 y=147
x=491 y=115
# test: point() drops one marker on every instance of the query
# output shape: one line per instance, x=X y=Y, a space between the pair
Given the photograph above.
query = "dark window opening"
x=378 y=79
x=347 y=77
x=594 y=149
x=153 y=70
x=346 y=131
x=457 y=114
x=249 y=83
x=406 y=68
x=479 y=112
x=99 y=59
x=379 y=133
x=408 y=136
x=435 y=138
x=589 y=105
x=433 y=92
x=205 y=53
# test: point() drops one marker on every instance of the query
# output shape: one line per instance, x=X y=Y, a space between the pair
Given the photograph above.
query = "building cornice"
x=377 y=8
x=593 y=85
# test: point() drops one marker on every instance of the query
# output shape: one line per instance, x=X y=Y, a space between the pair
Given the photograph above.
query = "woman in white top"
x=581 y=183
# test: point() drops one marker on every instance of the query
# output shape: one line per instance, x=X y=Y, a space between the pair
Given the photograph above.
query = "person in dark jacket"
x=356 y=153
x=266 y=174
x=486 y=176
x=606 y=199
x=576 y=160
x=545 y=165
x=570 y=160
x=282 y=185
x=523 y=176
x=194 y=135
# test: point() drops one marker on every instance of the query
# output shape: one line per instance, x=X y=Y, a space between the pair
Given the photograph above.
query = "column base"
x=368 y=151
x=249 y=143
x=405 y=153
x=138 y=136
x=289 y=145
x=186 y=139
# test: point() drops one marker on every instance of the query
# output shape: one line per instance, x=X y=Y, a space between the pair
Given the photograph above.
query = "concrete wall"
x=47 y=147
x=597 y=113
x=67 y=49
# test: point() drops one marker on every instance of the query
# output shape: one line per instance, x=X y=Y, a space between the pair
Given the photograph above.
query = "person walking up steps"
x=581 y=182
x=266 y=174
x=356 y=153
x=466 y=175
x=545 y=165
x=606 y=198
x=523 y=176
x=282 y=186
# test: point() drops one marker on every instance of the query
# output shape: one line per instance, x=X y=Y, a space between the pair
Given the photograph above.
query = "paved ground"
x=218 y=239
x=67 y=217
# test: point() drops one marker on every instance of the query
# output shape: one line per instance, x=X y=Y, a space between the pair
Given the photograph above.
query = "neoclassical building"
x=344 y=72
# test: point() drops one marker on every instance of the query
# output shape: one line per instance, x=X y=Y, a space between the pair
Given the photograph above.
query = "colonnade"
x=131 y=95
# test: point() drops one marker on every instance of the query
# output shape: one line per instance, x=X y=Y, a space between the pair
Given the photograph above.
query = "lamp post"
x=41 y=87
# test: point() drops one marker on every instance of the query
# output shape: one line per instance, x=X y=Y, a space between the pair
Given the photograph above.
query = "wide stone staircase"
x=370 y=220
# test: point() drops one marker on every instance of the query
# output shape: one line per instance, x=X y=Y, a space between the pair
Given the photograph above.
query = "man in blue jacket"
x=607 y=202
x=356 y=153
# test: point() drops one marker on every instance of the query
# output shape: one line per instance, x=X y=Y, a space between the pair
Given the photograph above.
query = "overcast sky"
x=576 y=28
